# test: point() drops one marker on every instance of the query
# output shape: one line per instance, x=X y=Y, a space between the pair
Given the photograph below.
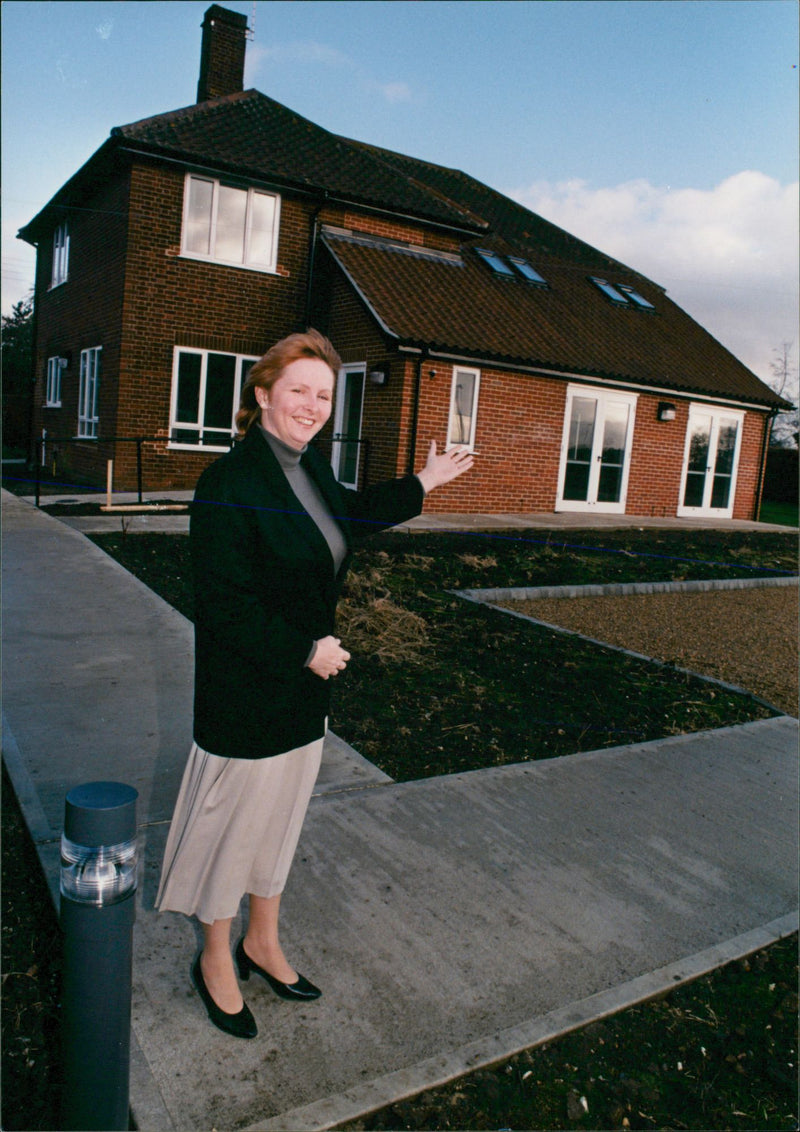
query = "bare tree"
x=785 y=383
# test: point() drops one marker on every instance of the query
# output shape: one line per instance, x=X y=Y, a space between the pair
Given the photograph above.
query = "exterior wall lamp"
x=666 y=411
x=378 y=375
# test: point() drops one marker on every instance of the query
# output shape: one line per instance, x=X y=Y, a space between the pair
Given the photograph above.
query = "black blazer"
x=265 y=590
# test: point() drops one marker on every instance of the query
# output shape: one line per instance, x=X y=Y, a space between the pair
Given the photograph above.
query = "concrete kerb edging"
x=487 y=1051
x=622 y=589
x=490 y=598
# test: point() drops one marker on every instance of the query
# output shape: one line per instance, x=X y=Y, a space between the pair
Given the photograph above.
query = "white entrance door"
x=710 y=462
x=595 y=450
x=346 y=452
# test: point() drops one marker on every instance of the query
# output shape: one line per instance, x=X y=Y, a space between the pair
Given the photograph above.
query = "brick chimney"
x=222 y=53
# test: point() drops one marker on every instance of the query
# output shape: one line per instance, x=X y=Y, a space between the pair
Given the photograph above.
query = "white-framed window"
x=88 y=390
x=53 y=391
x=60 y=255
x=205 y=396
x=228 y=224
x=463 y=407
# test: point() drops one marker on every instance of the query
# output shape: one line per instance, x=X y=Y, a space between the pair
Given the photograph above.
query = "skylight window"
x=622 y=294
x=635 y=297
x=498 y=265
x=610 y=291
x=526 y=271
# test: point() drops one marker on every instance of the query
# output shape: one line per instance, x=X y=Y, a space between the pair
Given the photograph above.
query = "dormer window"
x=497 y=264
x=622 y=294
x=60 y=255
x=230 y=225
x=527 y=272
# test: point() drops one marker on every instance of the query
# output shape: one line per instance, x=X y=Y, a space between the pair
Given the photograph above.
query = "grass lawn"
x=784 y=513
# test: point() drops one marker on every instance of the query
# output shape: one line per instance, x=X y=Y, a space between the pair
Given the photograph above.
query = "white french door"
x=346 y=450
x=710 y=462
x=595 y=450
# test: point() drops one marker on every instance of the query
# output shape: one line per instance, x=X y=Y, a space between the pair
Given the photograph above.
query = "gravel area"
x=746 y=637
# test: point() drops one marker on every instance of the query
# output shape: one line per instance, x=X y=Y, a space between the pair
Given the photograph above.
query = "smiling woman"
x=271 y=539
x=299 y=403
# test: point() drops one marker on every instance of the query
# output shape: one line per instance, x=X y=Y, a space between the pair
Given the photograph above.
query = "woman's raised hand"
x=329 y=659
x=441 y=468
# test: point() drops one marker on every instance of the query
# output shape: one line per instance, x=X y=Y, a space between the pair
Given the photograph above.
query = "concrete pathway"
x=450 y=922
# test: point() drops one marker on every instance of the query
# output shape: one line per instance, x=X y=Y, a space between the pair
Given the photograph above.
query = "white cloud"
x=308 y=53
x=104 y=30
x=395 y=92
x=727 y=255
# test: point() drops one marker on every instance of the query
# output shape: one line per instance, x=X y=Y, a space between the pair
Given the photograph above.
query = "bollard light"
x=98 y=890
x=97 y=875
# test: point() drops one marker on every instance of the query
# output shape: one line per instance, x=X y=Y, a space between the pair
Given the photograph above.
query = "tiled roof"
x=457 y=306
x=252 y=135
x=569 y=327
x=454 y=305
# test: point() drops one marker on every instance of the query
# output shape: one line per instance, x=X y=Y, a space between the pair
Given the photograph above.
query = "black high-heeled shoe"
x=301 y=991
x=241 y=1025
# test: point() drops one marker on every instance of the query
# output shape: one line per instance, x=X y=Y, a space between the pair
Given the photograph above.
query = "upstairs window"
x=463 y=407
x=91 y=367
x=53 y=392
x=527 y=272
x=60 y=255
x=230 y=225
x=205 y=397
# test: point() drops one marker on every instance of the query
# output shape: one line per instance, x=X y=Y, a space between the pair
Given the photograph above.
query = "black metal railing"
x=46 y=442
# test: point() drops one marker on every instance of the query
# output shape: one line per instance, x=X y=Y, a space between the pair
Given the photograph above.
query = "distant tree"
x=16 y=343
x=785 y=383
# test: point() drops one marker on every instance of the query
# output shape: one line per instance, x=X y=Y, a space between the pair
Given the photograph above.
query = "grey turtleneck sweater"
x=309 y=495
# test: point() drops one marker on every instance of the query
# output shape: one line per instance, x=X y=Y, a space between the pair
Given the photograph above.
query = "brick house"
x=191 y=241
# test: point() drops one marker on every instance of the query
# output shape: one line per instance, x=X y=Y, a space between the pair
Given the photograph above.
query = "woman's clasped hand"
x=329 y=658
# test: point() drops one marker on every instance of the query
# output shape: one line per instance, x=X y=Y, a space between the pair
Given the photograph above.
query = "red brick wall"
x=170 y=300
x=747 y=483
x=517 y=440
x=397 y=230
x=518 y=446
x=357 y=339
x=83 y=312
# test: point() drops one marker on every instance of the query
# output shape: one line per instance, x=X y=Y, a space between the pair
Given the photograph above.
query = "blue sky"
x=662 y=131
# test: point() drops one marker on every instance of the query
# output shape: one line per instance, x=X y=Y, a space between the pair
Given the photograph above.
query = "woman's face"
x=299 y=402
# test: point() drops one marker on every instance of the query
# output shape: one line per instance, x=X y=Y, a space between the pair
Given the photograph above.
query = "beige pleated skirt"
x=235 y=830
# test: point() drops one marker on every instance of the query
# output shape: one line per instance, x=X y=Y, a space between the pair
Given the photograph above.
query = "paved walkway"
x=450 y=921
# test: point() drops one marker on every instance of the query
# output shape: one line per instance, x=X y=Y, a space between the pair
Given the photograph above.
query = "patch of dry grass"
x=373 y=624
